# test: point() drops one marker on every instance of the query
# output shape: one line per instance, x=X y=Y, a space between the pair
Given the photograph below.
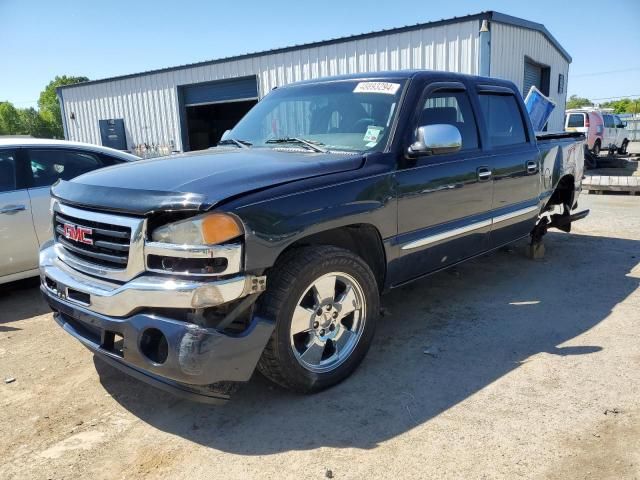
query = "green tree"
x=9 y=119
x=577 y=102
x=624 y=105
x=49 y=105
x=32 y=123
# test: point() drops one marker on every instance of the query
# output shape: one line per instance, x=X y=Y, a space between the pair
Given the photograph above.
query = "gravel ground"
x=504 y=367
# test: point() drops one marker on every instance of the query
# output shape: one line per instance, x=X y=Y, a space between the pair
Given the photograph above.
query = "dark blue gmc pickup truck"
x=272 y=249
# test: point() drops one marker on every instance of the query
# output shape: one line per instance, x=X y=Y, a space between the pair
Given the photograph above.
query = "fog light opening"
x=153 y=345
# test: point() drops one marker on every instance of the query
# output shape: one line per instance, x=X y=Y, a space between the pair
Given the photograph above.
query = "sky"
x=40 y=39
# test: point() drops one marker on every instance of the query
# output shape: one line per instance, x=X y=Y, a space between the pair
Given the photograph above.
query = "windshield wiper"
x=237 y=143
x=311 y=145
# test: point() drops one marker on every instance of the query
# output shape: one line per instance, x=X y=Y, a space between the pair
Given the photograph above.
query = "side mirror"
x=436 y=140
x=621 y=125
x=225 y=135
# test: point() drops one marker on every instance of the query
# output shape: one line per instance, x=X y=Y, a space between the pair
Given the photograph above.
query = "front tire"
x=325 y=302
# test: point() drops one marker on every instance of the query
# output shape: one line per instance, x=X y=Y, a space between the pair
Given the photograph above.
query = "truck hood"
x=196 y=181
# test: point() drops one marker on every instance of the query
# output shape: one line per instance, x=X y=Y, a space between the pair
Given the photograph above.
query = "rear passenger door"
x=443 y=200
x=515 y=160
x=47 y=166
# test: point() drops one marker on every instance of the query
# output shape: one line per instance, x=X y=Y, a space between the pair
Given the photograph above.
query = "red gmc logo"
x=78 y=234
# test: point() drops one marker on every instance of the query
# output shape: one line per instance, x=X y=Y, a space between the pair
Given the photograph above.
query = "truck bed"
x=548 y=136
x=561 y=154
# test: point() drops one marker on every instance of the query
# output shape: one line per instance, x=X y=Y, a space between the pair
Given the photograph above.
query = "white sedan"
x=28 y=168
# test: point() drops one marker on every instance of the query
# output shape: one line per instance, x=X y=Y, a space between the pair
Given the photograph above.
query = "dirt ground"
x=531 y=370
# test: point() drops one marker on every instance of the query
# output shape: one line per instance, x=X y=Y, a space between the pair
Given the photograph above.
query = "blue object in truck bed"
x=539 y=108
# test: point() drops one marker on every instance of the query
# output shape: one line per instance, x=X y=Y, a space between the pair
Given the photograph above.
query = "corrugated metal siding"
x=509 y=46
x=149 y=103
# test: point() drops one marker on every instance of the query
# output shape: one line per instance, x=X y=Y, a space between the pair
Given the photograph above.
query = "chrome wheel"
x=327 y=322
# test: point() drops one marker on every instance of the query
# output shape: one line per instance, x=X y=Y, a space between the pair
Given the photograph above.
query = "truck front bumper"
x=187 y=359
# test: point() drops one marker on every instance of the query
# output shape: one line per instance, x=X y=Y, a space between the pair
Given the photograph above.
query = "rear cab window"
x=503 y=119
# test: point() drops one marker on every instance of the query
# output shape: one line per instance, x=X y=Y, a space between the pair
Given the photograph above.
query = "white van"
x=604 y=130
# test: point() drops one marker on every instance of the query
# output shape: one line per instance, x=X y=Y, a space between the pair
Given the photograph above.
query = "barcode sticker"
x=377 y=87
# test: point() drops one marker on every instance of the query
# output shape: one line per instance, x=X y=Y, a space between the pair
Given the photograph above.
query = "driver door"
x=444 y=201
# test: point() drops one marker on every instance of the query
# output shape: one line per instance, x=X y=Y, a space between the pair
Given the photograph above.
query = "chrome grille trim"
x=132 y=267
x=103 y=231
x=101 y=256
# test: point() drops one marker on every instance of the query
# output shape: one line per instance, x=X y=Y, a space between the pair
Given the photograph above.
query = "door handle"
x=532 y=167
x=484 y=174
x=12 y=208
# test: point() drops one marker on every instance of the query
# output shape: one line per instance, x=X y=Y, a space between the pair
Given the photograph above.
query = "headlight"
x=209 y=229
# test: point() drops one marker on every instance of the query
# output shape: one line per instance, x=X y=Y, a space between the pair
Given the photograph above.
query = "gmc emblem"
x=78 y=234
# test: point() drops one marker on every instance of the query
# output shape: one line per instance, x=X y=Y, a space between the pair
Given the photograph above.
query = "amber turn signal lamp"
x=218 y=228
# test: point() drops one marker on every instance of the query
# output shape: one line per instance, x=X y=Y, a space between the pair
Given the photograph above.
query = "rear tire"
x=623 y=149
x=325 y=303
x=596 y=148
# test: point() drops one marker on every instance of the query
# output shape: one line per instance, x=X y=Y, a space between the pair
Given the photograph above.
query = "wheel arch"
x=362 y=239
x=564 y=192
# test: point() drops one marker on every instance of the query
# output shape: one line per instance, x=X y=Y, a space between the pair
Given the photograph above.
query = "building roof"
x=491 y=16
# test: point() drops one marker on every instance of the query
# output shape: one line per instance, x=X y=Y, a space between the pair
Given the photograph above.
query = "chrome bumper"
x=146 y=291
x=187 y=359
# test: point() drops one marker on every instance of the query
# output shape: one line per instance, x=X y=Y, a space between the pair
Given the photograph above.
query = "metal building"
x=189 y=107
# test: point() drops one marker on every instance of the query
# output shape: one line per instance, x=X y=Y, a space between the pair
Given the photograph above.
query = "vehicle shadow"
x=444 y=338
x=21 y=300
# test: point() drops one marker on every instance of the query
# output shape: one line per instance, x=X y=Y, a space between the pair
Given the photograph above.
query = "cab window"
x=502 y=117
x=451 y=108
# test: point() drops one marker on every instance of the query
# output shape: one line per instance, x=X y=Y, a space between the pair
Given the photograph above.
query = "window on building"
x=503 y=119
x=561 y=83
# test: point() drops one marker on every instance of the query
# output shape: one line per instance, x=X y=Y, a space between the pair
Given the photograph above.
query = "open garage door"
x=535 y=74
x=211 y=108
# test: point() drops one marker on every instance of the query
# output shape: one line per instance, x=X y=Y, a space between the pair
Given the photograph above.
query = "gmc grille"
x=110 y=243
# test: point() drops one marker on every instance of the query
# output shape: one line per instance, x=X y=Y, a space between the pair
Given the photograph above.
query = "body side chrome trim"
x=467 y=228
x=447 y=234
x=517 y=213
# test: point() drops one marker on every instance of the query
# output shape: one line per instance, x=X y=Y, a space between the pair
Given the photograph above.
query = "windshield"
x=335 y=116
